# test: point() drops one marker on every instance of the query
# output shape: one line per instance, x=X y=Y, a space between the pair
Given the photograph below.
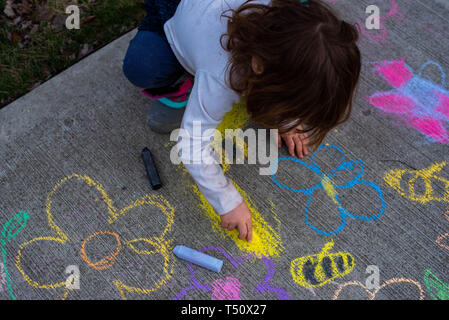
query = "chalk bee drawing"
x=319 y=269
x=422 y=104
x=428 y=175
x=332 y=189
x=10 y=231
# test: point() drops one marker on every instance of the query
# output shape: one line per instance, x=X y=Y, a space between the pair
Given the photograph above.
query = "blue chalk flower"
x=333 y=189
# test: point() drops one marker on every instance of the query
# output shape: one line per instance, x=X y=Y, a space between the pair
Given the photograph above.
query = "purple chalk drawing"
x=421 y=103
x=228 y=288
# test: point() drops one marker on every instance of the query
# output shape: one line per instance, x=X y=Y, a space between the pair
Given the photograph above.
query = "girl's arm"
x=208 y=103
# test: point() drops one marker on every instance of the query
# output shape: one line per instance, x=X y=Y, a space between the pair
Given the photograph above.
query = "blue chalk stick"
x=198 y=258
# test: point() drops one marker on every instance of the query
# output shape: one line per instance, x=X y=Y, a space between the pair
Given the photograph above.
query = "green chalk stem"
x=10 y=231
x=438 y=289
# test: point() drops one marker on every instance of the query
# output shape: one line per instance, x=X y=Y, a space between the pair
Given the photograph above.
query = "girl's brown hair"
x=311 y=64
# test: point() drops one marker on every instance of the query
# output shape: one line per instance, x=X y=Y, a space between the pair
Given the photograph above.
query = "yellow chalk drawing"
x=65 y=295
x=319 y=269
x=266 y=241
x=234 y=119
x=275 y=216
x=372 y=295
x=161 y=245
x=428 y=175
x=329 y=188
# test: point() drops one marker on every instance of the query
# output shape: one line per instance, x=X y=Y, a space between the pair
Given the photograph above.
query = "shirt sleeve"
x=209 y=101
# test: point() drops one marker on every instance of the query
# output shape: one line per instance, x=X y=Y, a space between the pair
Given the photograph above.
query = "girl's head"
x=294 y=63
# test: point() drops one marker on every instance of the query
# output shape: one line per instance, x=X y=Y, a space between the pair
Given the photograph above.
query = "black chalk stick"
x=151 y=169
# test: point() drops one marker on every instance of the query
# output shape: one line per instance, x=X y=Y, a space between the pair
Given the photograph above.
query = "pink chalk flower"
x=419 y=102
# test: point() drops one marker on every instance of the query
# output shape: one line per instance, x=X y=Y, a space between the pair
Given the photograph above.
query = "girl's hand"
x=295 y=140
x=239 y=218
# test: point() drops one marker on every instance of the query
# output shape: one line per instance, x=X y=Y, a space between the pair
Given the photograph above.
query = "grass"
x=50 y=51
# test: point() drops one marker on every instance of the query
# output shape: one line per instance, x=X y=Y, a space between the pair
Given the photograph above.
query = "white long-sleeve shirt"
x=194 y=36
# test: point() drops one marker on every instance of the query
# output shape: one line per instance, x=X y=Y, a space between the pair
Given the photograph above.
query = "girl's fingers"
x=299 y=146
x=250 y=230
x=291 y=145
x=243 y=230
x=298 y=142
x=305 y=143
x=227 y=225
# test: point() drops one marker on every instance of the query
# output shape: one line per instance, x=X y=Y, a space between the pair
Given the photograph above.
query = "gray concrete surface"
x=88 y=124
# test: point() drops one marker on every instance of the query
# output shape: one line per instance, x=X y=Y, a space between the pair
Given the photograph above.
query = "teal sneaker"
x=169 y=104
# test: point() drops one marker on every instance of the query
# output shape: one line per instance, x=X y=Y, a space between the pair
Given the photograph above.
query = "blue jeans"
x=150 y=62
x=158 y=12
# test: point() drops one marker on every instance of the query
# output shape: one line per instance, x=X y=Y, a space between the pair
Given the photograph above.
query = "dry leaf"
x=34 y=29
x=17 y=20
x=16 y=37
x=25 y=25
x=37 y=84
x=59 y=22
x=84 y=50
x=8 y=9
x=25 y=9
x=43 y=13
x=65 y=52
x=88 y=19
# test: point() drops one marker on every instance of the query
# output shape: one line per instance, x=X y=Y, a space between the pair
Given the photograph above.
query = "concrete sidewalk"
x=75 y=196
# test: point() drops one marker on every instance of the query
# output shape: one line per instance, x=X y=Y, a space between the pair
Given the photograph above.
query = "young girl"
x=293 y=62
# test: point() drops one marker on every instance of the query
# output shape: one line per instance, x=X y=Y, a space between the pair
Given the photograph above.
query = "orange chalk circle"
x=107 y=261
x=441 y=239
x=372 y=295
